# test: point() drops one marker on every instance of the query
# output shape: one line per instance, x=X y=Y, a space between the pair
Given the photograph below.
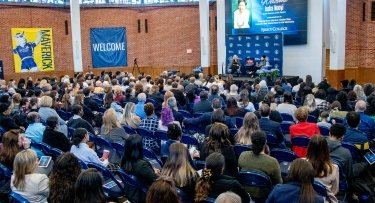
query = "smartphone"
x=44 y=161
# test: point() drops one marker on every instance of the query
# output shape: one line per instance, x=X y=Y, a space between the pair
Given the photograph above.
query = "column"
x=75 y=20
x=221 y=49
x=337 y=37
x=204 y=12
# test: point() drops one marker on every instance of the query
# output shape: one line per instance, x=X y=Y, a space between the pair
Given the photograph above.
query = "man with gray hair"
x=139 y=107
x=367 y=124
x=228 y=197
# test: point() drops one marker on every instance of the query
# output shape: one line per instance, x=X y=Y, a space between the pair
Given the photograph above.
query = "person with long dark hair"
x=89 y=187
x=132 y=162
x=219 y=141
x=54 y=138
x=326 y=172
x=299 y=187
x=212 y=181
x=64 y=174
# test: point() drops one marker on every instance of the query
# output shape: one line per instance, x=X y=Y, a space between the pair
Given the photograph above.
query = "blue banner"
x=255 y=46
x=108 y=47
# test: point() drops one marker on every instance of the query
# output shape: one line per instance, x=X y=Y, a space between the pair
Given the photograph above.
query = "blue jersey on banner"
x=255 y=46
x=108 y=47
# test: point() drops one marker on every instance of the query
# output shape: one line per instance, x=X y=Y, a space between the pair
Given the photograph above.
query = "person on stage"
x=264 y=64
x=235 y=65
x=241 y=15
x=250 y=66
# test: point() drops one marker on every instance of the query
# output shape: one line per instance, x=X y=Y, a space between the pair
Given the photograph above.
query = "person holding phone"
x=241 y=15
x=82 y=151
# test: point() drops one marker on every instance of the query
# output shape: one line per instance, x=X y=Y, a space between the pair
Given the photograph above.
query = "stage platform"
x=239 y=80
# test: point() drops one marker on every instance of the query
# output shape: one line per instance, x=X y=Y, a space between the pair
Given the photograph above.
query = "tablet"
x=44 y=161
x=370 y=157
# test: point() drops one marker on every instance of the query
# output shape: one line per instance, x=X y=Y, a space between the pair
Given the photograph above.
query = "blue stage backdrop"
x=108 y=47
x=255 y=46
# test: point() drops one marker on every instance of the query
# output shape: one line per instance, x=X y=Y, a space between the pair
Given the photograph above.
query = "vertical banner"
x=108 y=47
x=1 y=70
x=32 y=49
x=255 y=46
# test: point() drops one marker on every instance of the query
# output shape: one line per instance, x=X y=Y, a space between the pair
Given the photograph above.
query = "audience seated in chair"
x=259 y=160
x=250 y=125
x=133 y=162
x=302 y=128
x=35 y=129
x=77 y=121
x=25 y=181
x=212 y=181
x=353 y=135
x=268 y=125
x=163 y=190
x=129 y=118
x=177 y=162
x=218 y=141
x=64 y=174
x=54 y=138
x=89 y=187
x=326 y=172
x=299 y=188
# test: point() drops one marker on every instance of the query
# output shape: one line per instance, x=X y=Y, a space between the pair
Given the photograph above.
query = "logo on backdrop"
x=32 y=49
x=255 y=46
x=108 y=47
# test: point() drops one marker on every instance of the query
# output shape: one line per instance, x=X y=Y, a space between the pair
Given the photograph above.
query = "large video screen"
x=268 y=16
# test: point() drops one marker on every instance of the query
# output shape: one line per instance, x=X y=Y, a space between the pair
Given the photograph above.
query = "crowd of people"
x=69 y=113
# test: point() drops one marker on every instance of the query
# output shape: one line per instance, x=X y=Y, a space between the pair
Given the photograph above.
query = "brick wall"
x=360 y=38
x=171 y=30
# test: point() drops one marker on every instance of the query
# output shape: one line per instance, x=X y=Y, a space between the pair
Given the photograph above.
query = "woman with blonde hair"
x=24 y=181
x=358 y=89
x=129 y=118
x=167 y=95
x=179 y=169
x=111 y=129
x=250 y=125
x=311 y=105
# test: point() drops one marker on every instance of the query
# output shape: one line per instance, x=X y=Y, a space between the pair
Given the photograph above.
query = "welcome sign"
x=108 y=47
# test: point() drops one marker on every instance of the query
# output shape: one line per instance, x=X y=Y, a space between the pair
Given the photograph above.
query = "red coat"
x=305 y=129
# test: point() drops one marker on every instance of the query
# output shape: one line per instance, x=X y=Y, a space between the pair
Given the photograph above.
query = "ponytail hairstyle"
x=79 y=135
x=214 y=165
x=302 y=171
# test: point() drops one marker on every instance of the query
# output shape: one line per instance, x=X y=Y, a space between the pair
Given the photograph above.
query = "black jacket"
x=56 y=139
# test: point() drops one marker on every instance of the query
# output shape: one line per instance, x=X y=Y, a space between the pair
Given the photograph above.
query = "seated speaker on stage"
x=263 y=63
x=234 y=65
x=250 y=66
